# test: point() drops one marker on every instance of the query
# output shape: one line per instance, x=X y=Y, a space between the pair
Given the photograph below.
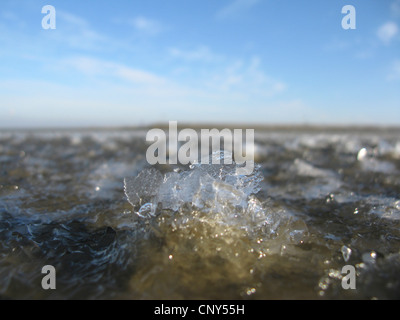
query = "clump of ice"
x=212 y=197
x=207 y=187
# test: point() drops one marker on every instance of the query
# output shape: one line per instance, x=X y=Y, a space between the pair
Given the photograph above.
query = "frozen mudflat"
x=88 y=203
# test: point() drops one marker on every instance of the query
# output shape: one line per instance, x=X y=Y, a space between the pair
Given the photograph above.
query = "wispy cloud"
x=70 y=19
x=201 y=53
x=235 y=8
x=238 y=77
x=95 y=67
x=76 y=32
x=240 y=84
x=395 y=8
x=223 y=75
x=146 y=25
x=395 y=71
x=247 y=79
x=387 y=32
x=12 y=18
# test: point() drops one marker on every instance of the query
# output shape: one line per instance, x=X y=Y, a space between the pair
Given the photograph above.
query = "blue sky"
x=228 y=61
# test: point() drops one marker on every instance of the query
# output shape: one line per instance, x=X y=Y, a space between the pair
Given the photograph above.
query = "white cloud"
x=239 y=84
x=245 y=79
x=115 y=92
x=395 y=8
x=96 y=67
x=145 y=25
x=235 y=8
x=337 y=45
x=76 y=32
x=387 y=32
x=239 y=78
x=202 y=53
x=395 y=71
x=12 y=18
x=138 y=76
x=72 y=20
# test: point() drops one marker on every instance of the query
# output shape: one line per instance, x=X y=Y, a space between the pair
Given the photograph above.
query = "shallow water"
x=321 y=200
